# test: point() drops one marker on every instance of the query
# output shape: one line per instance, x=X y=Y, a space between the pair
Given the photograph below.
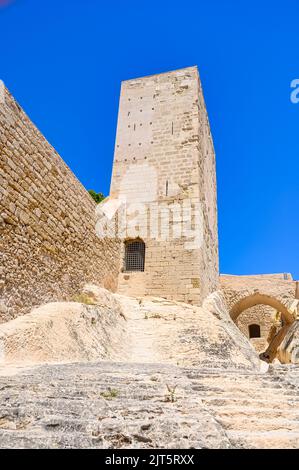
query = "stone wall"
x=261 y=315
x=278 y=290
x=48 y=245
x=164 y=162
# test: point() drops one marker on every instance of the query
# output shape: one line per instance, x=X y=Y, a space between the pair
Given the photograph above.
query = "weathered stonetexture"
x=122 y=328
x=163 y=163
x=110 y=405
x=288 y=350
x=173 y=376
x=48 y=245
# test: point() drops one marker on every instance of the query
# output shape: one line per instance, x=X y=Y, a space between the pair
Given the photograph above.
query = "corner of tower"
x=2 y=92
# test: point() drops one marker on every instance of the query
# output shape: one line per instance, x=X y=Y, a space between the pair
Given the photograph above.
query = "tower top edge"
x=193 y=68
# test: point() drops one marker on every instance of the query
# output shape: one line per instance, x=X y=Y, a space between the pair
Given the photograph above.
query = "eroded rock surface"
x=288 y=351
x=142 y=372
x=66 y=331
x=120 y=328
x=127 y=405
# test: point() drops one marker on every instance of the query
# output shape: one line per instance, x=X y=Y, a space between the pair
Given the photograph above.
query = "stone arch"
x=257 y=298
x=248 y=299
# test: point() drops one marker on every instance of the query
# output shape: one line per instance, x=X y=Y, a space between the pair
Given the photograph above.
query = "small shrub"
x=109 y=394
x=154 y=378
x=171 y=393
x=97 y=197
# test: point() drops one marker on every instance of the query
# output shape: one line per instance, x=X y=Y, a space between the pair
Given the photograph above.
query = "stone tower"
x=164 y=175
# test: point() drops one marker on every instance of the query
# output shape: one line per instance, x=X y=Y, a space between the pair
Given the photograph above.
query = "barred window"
x=134 y=255
x=254 y=331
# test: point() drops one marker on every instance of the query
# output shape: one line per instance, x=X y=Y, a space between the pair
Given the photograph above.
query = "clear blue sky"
x=63 y=60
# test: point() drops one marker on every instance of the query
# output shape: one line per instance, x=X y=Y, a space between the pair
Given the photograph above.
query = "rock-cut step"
x=249 y=423
x=236 y=411
x=256 y=439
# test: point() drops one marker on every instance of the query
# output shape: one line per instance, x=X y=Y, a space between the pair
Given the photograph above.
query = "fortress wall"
x=208 y=196
x=48 y=245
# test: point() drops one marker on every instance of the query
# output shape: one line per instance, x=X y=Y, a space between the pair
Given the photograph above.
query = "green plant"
x=154 y=378
x=171 y=393
x=109 y=394
x=156 y=315
x=97 y=197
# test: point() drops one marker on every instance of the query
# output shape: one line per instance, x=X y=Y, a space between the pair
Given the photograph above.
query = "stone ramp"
x=124 y=329
x=104 y=405
x=169 y=332
x=129 y=405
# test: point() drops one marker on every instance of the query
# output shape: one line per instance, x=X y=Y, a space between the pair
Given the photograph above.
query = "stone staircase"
x=181 y=377
x=255 y=410
x=129 y=405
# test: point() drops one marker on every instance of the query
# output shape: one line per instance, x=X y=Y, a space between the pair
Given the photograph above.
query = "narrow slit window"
x=254 y=331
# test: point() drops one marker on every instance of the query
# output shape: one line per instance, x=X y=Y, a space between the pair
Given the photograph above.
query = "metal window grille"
x=134 y=255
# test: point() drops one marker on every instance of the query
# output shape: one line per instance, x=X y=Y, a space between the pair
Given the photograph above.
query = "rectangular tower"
x=164 y=182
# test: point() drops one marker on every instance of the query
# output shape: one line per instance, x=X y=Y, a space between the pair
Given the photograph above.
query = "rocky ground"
x=127 y=405
x=132 y=373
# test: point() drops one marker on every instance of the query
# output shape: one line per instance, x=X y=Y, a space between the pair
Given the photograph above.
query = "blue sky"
x=63 y=60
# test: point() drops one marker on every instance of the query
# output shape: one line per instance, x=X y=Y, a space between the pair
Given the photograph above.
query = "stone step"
x=249 y=411
x=260 y=393
x=210 y=409
x=28 y=440
x=263 y=439
x=236 y=375
x=250 y=423
x=248 y=391
x=217 y=401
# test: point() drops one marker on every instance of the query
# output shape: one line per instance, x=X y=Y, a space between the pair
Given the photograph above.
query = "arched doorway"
x=267 y=335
